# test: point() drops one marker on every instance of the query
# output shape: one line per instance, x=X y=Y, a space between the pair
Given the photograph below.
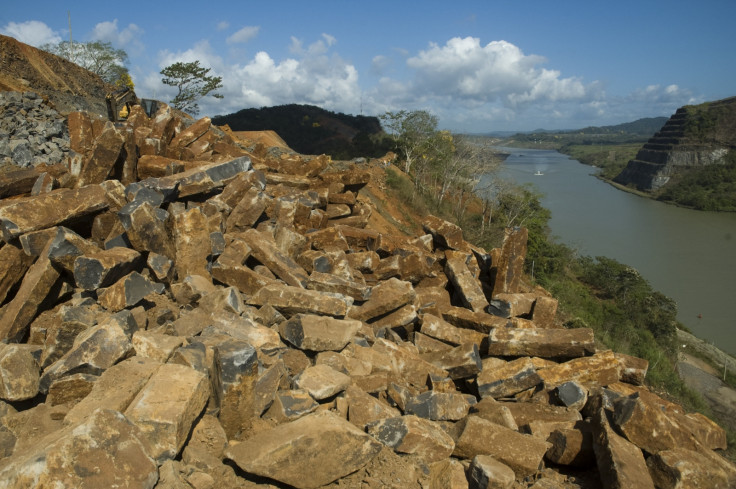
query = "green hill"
x=308 y=129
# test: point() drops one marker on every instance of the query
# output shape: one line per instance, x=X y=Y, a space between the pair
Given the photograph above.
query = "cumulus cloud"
x=127 y=38
x=243 y=35
x=223 y=26
x=498 y=71
x=32 y=32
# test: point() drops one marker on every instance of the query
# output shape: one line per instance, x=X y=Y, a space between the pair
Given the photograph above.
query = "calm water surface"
x=687 y=255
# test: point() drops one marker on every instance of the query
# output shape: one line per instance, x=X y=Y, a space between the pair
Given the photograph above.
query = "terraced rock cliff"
x=695 y=136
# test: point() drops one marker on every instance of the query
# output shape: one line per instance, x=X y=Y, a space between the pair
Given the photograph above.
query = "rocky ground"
x=184 y=307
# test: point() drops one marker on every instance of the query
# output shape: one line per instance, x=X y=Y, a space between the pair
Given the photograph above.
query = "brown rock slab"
x=447 y=474
x=508 y=379
x=385 y=297
x=478 y=321
x=154 y=345
x=442 y=330
x=486 y=472
x=201 y=180
x=445 y=234
x=294 y=300
x=413 y=435
x=192 y=243
x=146 y=228
x=19 y=373
x=66 y=246
x=104 y=157
x=508 y=263
x=264 y=249
x=620 y=463
x=318 y=333
x=647 y=426
x=290 y=405
x=70 y=389
x=328 y=282
x=127 y=292
x=106 y=450
x=544 y=343
x=37 y=284
x=307 y=453
x=572 y=446
x=601 y=369
x=95 y=350
x=247 y=211
x=105 y=267
x=523 y=453
x=439 y=406
x=364 y=409
x=682 y=468
x=466 y=285
x=322 y=381
x=236 y=365
x=166 y=408
x=512 y=305
x=461 y=362
x=115 y=388
x=633 y=369
x=14 y=263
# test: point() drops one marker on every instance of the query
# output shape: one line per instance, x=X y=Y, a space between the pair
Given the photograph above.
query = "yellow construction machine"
x=121 y=101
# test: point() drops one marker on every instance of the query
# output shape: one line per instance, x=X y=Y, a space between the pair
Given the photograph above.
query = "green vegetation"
x=610 y=158
x=193 y=83
x=712 y=188
x=311 y=130
x=96 y=56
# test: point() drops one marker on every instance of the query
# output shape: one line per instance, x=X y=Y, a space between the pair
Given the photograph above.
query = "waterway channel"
x=687 y=255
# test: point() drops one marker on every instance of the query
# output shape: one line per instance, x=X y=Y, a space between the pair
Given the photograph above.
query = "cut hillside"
x=68 y=86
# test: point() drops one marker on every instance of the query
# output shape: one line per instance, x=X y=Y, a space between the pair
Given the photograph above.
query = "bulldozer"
x=121 y=101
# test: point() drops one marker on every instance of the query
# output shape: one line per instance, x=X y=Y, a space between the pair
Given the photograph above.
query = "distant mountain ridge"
x=312 y=130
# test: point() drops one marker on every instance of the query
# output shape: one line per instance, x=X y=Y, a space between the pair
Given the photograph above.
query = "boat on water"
x=538 y=172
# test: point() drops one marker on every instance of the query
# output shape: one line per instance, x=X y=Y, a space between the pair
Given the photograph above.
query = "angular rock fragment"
x=682 y=468
x=157 y=346
x=523 y=453
x=461 y=362
x=192 y=243
x=106 y=150
x=439 y=406
x=106 y=450
x=325 y=282
x=601 y=368
x=572 y=446
x=486 y=472
x=364 y=409
x=385 y=297
x=318 y=333
x=508 y=262
x=466 y=285
x=38 y=283
x=307 y=453
x=127 y=292
x=236 y=364
x=620 y=462
x=448 y=474
x=414 y=435
x=445 y=234
x=70 y=389
x=95 y=350
x=544 y=343
x=14 y=263
x=146 y=228
x=508 y=379
x=105 y=267
x=478 y=321
x=444 y=331
x=322 y=381
x=290 y=405
x=167 y=406
x=19 y=373
x=294 y=300
x=512 y=305
x=265 y=251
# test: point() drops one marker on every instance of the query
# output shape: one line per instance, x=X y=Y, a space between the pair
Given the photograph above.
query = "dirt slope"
x=68 y=86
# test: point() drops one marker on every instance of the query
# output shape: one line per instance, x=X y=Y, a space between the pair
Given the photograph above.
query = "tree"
x=412 y=132
x=96 y=56
x=193 y=83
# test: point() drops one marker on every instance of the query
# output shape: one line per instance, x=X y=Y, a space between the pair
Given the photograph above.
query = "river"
x=687 y=255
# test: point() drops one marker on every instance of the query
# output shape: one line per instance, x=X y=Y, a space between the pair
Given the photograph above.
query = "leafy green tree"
x=96 y=56
x=193 y=83
x=413 y=133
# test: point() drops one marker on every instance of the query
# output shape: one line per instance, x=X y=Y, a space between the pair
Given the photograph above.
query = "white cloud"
x=127 y=38
x=32 y=32
x=243 y=35
x=222 y=26
x=498 y=71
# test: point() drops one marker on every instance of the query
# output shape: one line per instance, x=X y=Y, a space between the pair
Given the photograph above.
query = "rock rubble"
x=181 y=308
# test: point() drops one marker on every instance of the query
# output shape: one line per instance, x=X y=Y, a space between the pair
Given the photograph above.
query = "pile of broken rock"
x=185 y=310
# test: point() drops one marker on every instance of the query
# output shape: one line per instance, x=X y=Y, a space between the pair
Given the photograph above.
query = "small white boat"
x=539 y=172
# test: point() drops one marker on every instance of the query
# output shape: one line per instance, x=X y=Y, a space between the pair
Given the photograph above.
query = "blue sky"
x=478 y=65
